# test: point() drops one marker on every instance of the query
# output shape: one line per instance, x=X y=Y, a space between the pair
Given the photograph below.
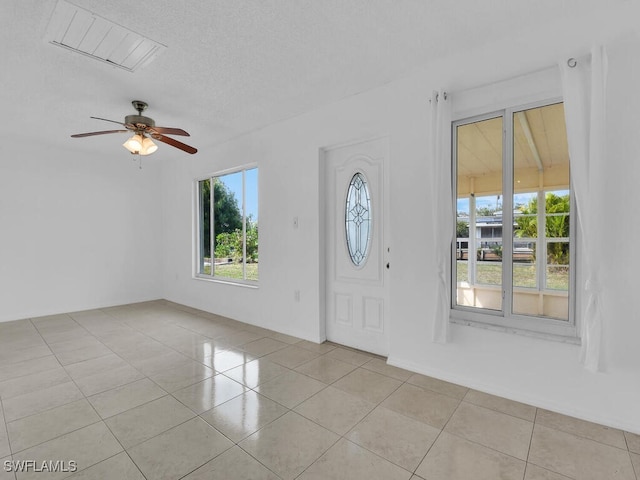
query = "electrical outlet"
x=296 y=295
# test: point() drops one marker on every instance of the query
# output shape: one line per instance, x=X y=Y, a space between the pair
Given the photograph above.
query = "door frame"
x=322 y=215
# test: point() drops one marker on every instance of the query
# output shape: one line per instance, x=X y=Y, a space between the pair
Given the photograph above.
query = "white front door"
x=356 y=250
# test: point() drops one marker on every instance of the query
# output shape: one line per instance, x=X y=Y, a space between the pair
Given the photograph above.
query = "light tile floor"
x=161 y=391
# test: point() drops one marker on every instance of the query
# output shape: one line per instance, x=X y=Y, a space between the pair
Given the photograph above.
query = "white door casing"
x=356 y=294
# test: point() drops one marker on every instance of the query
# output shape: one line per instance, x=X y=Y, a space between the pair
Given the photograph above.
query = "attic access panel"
x=84 y=32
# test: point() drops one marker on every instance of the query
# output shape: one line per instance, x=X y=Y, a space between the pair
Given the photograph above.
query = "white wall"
x=78 y=230
x=545 y=373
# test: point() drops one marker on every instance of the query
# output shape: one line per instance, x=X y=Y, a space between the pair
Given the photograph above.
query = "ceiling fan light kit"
x=139 y=145
x=144 y=130
x=148 y=146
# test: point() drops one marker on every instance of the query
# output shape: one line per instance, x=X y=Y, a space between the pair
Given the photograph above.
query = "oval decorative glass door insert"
x=358 y=219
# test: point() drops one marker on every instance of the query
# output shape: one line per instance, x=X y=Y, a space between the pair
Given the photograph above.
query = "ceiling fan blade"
x=90 y=134
x=167 y=131
x=107 y=120
x=175 y=143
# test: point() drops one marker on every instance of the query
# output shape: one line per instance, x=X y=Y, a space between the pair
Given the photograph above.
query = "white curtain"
x=584 y=90
x=442 y=211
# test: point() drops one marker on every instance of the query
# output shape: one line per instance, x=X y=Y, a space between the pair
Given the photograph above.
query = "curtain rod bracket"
x=444 y=96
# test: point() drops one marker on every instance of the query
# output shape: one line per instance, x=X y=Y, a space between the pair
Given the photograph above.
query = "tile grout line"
x=636 y=472
x=577 y=435
x=533 y=428
x=438 y=436
x=27 y=374
x=6 y=428
x=256 y=459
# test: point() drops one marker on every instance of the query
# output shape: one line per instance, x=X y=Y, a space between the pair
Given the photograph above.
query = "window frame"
x=505 y=319
x=199 y=233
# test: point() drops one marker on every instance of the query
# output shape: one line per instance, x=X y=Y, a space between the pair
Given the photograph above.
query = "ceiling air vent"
x=82 y=31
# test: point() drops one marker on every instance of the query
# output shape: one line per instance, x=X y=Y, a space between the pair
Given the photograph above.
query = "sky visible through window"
x=234 y=183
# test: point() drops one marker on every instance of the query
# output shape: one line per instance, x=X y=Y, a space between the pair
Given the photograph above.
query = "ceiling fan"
x=144 y=129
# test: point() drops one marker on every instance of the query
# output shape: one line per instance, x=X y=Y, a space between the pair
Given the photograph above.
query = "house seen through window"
x=514 y=238
x=227 y=226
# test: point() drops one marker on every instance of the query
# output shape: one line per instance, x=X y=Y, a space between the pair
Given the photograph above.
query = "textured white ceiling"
x=235 y=65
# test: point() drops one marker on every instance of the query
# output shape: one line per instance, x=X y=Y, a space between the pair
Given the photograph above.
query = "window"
x=358 y=219
x=227 y=226
x=512 y=259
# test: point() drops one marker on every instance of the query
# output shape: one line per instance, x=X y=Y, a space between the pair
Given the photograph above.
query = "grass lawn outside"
x=524 y=275
x=233 y=270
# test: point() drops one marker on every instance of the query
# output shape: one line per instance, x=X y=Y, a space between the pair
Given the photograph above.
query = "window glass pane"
x=541 y=200
x=557 y=266
x=204 y=194
x=251 y=198
x=525 y=215
x=558 y=277
x=358 y=219
x=228 y=226
x=490 y=270
x=524 y=265
x=479 y=214
x=488 y=231
x=525 y=240
x=462 y=240
x=557 y=205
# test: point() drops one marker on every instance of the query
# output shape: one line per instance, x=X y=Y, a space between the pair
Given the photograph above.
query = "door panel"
x=356 y=278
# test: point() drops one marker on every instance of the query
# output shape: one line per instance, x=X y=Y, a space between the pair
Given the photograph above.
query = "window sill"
x=543 y=328
x=228 y=281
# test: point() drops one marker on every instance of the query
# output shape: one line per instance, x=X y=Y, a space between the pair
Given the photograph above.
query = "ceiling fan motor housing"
x=138 y=120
